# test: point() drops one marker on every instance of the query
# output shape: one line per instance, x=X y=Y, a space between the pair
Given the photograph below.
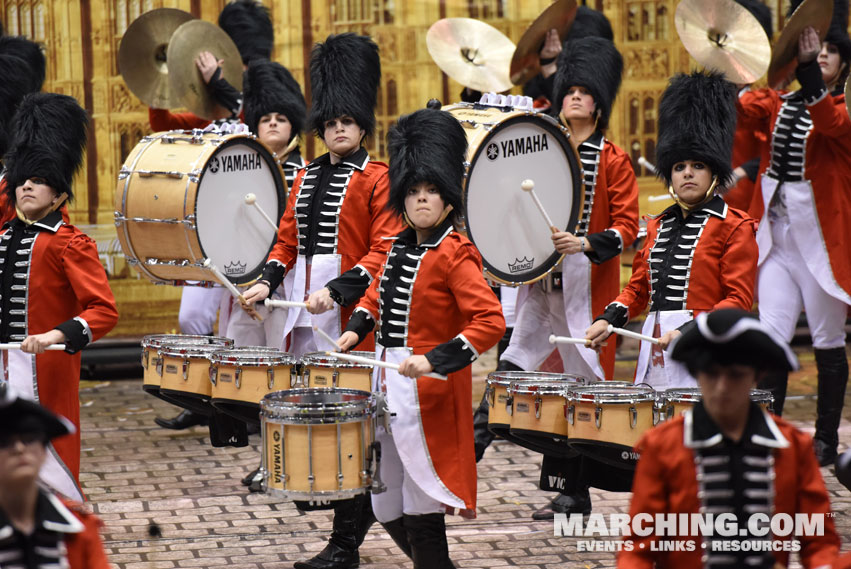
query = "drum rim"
x=549 y=388
x=515 y=375
x=309 y=359
x=551 y=125
x=250 y=358
x=188 y=351
x=273 y=398
x=601 y=394
x=280 y=187
x=159 y=340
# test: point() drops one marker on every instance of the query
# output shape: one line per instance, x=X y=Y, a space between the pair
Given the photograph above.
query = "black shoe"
x=246 y=480
x=348 y=533
x=578 y=503
x=427 y=537
x=256 y=484
x=825 y=452
x=185 y=420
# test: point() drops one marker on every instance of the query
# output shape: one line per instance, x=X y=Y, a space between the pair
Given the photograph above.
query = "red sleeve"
x=636 y=294
x=758 y=104
x=85 y=549
x=90 y=285
x=163 y=119
x=738 y=267
x=830 y=117
x=623 y=198
x=383 y=222
x=286 y=247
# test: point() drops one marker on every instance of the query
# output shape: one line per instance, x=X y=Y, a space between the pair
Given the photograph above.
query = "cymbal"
x=185 y=79
x=471 y=52
x=525 y=62
x=724 y=36
x=142 y=56
x=815 y=13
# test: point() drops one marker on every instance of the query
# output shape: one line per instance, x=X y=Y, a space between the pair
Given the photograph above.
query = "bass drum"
x=180 y=201
x=505 y=147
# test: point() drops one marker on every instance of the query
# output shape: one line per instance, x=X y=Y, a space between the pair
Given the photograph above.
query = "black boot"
x=578 y=502
x=776 y=382
x=832 y=367
x=396 y=530
x=184 y=420
x=348 y=533
x=481 y=434
x=427 y=536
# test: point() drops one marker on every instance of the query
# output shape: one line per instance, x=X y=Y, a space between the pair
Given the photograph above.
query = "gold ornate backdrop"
x=81 y=39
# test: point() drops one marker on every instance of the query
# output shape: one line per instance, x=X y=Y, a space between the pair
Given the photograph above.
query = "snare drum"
x=505 y=146
x=538 y=420
x=605 y=421
x=186 y=375
x=152 y=363
x=322 y=370
x=317 y=443
x=676 y=401
x=178 y=204
x=496 y=393
x=241 y=378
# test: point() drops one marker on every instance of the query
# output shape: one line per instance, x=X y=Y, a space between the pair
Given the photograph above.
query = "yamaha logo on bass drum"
x=236 y=163
x=518 y=146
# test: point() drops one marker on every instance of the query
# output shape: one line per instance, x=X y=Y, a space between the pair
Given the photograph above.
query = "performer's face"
x=274 y=130
x=578 y=104
x=691 y=180
x=342 y=135
x=423 y=204
x=726 y=391
x=21 y=457
x=35 y=198
x=829 y=62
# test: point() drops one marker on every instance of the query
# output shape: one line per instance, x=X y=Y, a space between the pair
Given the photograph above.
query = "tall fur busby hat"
x=428 y=145
x=345 y=73
x=837 y=33
x=697 y=120
x=16 y=84
x=589 y=23
x=31 y=53
x=761 y=12
x=248 y=24
x=593 y=63
x=48 y=141
x=270 y=87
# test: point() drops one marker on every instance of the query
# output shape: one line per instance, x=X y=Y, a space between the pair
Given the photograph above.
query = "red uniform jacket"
x=449 y=297
x=666 y=482
x=163 y=119
x=723 y=269
x=747 y=145
x=827 y=167
x=85 y=549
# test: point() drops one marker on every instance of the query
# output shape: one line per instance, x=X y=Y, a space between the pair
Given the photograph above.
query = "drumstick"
x=52 y=347
x=658 y=197
x=378 y=363
x=568 y=340
x=529 y=186
x=231 y=288
x=284 y=304
x=331 y=340
x=642 y=161
x=630 y=334
x=251 y=199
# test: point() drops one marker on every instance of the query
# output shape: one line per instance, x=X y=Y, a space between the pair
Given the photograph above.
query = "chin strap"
x=56 y=205
x=446 y=211
x=689 y=208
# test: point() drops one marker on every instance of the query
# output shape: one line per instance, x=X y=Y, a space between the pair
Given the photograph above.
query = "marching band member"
x=729 y=456
x=803 y=235
x=587 y=82
x=331 y=238
x=433 y=311
x=54 y=288
x=37 y=527
x=699 y=254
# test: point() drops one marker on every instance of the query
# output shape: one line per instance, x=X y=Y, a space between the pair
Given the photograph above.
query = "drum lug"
x=185 y=370
x=570 y=411
x=598 y=416
x=214 y=372
x=310 y=478
x=377 y=485
x=271 y=375
x=633 y=417
x=335 y=375
x=236 y=377
x=509 y=405
x=145 y=356
x=669 y=412
x=538 y=406
x=305 y=378
x=159 y=365
x=489 y=395
x=340 y=476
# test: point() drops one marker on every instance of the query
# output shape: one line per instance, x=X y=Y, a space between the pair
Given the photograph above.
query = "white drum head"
x=502 y=220
x=234 y=235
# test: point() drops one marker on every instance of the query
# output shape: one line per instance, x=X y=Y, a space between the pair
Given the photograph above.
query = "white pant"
x=542 y=314
x=402 y=496
x=786 y=286
x=246 y=331
x=198 y=309
x=301 y=341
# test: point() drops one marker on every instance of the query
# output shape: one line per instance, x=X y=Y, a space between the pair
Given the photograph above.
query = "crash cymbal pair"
x=157 y=60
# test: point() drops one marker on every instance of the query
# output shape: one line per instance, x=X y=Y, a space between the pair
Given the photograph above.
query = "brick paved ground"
x=136 y=474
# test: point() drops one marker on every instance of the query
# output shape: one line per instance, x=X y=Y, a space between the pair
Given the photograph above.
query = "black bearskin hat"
x=593 y=63
x=589 y=23
x=428 y=145
x=248 y=24
x=761 y=12
x=49 y=137
x=697 y=120
x=16 y=84
x=837 y=33
x=31 y=53
x=345 y=73
x=270 y=87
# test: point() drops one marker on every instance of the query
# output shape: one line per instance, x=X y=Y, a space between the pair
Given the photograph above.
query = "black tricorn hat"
x=427 y=145
x=731 y=337
x=345 y=73
x=269 y=87
x=248 y=24
x=589 y=23
x=49 y=137
x=761 y=12
x=593 y=63
x=19 y=416
x=697 y=121
x=31 y=53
